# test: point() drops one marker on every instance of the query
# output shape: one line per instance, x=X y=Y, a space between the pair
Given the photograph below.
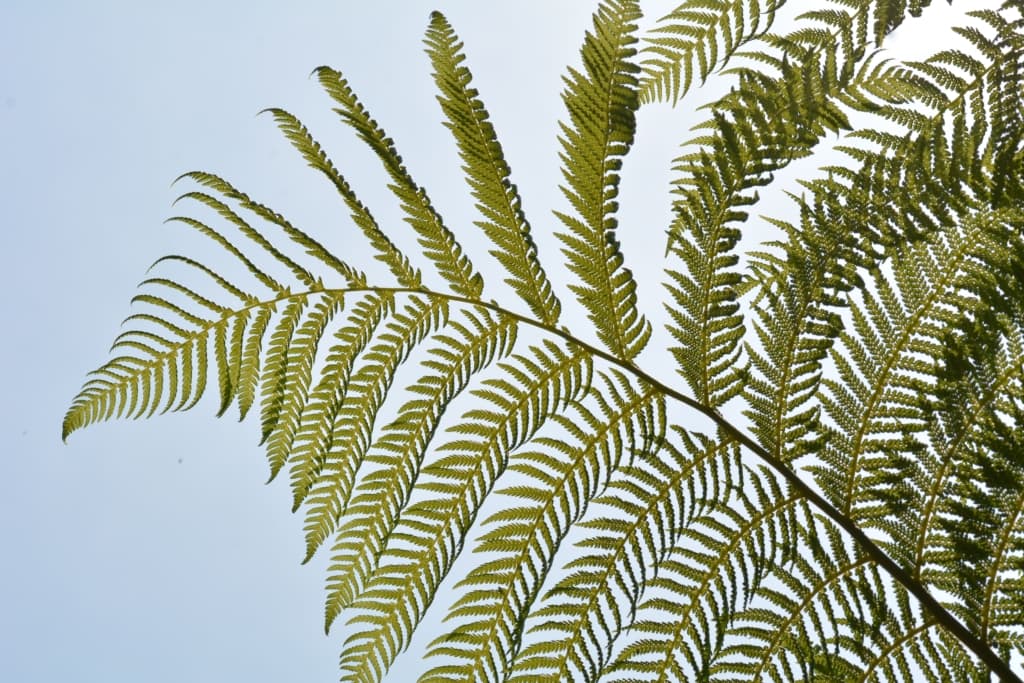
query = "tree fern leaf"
x=399 y=450
x=275 y=367
x=601 y=102
x=526 y=534
x=249 y=360
x=314 y=155
x=325 y=488
x=298 y=374
x=435 y=526
x=693 y=35
x=436 y=239
x=204 y=229
x=302 y=274
x=316 y=427
x=312 y=247
x=488 y=174
x=646 y=508
x=221 y=281
x=220 y=355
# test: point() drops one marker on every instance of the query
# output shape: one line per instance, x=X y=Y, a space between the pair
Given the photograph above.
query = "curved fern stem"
x=932 y=606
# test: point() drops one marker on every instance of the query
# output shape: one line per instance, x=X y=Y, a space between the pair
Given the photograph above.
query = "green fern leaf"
x=602 y=102
x=488 y=174
x=436 y=239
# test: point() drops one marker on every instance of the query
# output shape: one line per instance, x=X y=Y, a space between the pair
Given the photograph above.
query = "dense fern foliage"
x=860 y=514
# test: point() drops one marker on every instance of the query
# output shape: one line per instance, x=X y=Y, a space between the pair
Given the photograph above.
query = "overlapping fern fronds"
x=862 y=516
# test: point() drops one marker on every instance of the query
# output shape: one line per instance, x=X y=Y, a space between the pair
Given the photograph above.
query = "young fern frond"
x=875 y=346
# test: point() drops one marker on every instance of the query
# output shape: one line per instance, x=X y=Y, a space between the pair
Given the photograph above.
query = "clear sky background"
x=152 y=551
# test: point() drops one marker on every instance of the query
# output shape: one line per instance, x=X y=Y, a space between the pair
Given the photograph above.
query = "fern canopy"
x=835 y=488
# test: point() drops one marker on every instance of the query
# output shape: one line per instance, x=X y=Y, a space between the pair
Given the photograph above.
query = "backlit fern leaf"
x=875 y=347
x=602 y=102
x=487 y=173
x=698 y=35
x=397 y=453
x=595 y=602
x=532 y=390
x=719 y=559
x=314 y=155
x=523 y=537
x=325 y=488
x=316 y=425
x=438 y=242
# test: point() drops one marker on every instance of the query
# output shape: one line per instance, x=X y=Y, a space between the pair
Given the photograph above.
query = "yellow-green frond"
x=438 y=242
x=602 y=102
x=488 y=174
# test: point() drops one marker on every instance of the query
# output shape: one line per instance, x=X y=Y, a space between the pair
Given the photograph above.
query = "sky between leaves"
x=150 y=551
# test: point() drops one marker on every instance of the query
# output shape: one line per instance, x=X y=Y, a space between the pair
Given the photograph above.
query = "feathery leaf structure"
x=602 y=102
x=437 y=240
x=487 y=173
x=618 y=528
x=698 y=36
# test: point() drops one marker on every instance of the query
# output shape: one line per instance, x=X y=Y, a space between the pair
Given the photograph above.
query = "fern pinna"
x=859 y=516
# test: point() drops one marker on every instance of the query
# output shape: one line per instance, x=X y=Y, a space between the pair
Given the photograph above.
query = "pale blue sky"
x=151 y=551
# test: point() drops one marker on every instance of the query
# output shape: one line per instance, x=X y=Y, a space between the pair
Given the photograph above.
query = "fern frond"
x=764 y=125
x=286 y=375
x=558 y=480
x=287 y=407
x=398 y=452
x=698 y=36
x=310 y=245
x=454 y=487
x=438 y=243
x=487 y=173
x=325 y=486
x=903 y=562
x=602 y=102
x=316 y=428
x=593 y=604
x=719 y=559
x=314 y=155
